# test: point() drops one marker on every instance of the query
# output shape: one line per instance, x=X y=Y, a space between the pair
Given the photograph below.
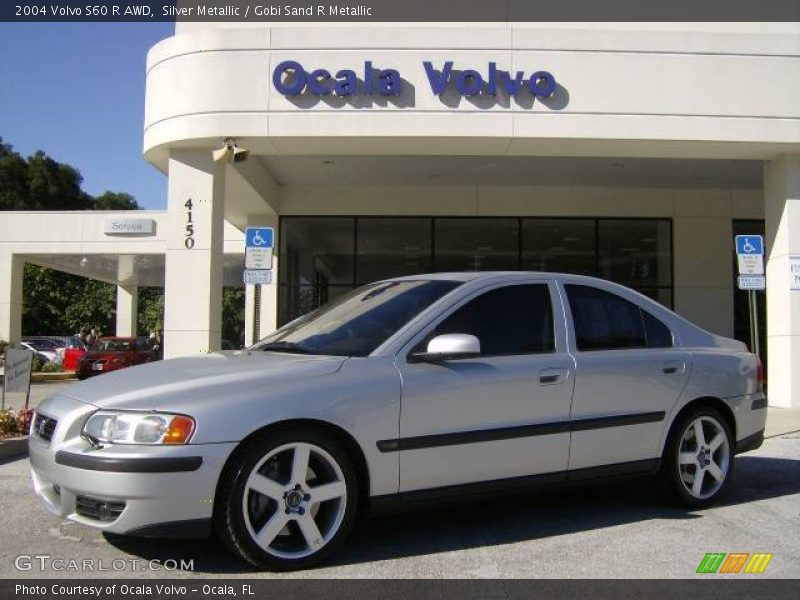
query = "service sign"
x=17 y=377
x=129 y=227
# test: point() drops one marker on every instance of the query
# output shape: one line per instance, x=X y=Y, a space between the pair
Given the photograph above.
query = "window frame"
x=556 y=314
x=572 y=330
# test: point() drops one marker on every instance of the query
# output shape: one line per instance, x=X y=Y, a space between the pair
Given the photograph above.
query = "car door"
x=629 y=374
x=500 y=415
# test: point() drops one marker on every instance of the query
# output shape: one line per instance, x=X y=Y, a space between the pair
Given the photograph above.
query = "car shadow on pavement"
x=499 y=520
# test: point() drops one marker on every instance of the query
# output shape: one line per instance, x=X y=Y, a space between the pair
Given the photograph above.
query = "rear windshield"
x=111 y=345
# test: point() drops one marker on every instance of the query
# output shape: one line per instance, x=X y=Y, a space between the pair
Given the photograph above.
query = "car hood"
x=179 y=382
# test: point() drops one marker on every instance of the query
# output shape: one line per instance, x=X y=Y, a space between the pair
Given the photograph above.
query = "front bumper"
x=121 y=489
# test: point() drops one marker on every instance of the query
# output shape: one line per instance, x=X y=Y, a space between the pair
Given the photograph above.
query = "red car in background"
x=113 y=353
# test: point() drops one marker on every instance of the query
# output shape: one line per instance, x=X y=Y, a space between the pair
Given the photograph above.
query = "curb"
x=37 y=377
x=13 y=448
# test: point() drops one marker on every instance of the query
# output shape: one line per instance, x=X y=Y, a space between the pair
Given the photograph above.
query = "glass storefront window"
x=317 y=251
x=322 y=258
x=635 y=252
x=391 y=247
x=476 y=244
x=559 y=245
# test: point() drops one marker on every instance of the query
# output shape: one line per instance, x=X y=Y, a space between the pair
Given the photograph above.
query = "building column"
x=782 y=212
x=127 y=310
x=11 y=270
x=703 y=276
x=268 y=313
x=194 y=256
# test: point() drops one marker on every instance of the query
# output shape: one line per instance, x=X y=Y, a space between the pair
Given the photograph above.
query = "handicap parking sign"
x=259 y=237
x=750 y=255
x=749 y=244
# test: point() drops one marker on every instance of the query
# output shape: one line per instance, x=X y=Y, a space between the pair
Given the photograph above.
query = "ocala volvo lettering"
x=291 y=78
x=418 y=388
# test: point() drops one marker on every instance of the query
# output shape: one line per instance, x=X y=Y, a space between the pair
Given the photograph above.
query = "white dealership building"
x=634 y=152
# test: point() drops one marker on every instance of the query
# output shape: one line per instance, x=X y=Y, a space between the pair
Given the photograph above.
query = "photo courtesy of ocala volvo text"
x=427 y=387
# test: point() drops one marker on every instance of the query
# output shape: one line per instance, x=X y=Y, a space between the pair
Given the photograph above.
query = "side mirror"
x=449 y=346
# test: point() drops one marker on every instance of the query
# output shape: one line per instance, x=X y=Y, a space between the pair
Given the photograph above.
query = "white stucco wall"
x=644 y=87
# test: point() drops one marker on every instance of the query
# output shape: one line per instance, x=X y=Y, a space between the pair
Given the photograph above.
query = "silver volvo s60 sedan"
x=402 y=391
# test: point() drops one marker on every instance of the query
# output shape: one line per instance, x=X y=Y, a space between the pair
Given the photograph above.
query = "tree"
x=114 y=201
x=55 y=186
x=14 y=190
x=60 y=303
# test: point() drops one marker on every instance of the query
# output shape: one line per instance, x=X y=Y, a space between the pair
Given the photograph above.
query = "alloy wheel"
x=704 y=457
x=294 y=500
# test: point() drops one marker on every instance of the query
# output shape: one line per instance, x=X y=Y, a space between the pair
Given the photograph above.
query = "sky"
x=76 y=91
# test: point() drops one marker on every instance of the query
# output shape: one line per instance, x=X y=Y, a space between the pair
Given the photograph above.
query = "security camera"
x=239 y=154
x=230 y=151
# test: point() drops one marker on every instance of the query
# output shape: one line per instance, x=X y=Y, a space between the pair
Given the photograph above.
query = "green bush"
x=52 y=367
x=36 y=364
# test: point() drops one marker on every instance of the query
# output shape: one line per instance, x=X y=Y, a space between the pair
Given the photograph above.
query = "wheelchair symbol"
x=257 y=239
x=748 y=247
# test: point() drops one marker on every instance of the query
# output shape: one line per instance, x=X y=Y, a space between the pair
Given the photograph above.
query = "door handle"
x=552 y=376
x=673 y=367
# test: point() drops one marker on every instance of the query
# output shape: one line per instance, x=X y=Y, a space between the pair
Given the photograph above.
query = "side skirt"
x=390 y=503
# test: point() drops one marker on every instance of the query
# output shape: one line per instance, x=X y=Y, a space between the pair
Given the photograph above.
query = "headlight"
x=139 y=428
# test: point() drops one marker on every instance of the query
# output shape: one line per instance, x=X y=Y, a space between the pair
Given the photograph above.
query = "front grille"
x=44 y=426
x=97 y=509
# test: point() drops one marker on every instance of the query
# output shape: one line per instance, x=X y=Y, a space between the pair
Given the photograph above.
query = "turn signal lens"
x=179 y=430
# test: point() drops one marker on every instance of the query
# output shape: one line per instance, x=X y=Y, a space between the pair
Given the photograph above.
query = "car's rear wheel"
x=698 y=461
x=287 y=500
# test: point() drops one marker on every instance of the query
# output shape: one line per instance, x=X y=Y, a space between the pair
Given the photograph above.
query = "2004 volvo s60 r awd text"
x=400 y=391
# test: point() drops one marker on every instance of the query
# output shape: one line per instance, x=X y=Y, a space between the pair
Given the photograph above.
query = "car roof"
x=470 y=276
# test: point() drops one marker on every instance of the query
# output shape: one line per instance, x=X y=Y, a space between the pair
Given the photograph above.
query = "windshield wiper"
x=286 y=347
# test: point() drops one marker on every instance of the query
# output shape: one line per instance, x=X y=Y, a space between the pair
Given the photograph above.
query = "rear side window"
x=658 y=334
x=605 y=321
x=516 y=319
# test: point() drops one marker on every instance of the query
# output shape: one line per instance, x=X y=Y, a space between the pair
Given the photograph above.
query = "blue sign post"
x=258 y=245
x=750 y=259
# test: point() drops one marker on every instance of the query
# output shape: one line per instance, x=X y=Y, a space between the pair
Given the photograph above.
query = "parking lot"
x=612 y=531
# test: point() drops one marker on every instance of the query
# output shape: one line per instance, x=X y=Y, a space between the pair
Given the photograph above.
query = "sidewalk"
x=782 y=420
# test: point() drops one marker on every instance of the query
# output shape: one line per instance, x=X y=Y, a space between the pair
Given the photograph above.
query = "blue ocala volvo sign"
x=290 y=78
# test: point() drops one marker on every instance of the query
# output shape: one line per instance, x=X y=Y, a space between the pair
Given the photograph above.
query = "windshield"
x=111 y=345
x=360 y=321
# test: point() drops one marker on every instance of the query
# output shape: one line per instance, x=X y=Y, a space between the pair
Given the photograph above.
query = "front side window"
x=358 y=322
x=516 y=319
x=605 y=321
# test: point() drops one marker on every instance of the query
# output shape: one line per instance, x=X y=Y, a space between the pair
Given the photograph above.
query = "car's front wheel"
x=698 y=461
x=288 y=499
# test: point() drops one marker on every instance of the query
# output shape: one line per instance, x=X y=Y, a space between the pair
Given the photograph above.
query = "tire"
x=269 y=510
x=712 y=460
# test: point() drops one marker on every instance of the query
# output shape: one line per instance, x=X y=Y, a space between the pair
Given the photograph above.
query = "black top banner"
x=342 y=11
